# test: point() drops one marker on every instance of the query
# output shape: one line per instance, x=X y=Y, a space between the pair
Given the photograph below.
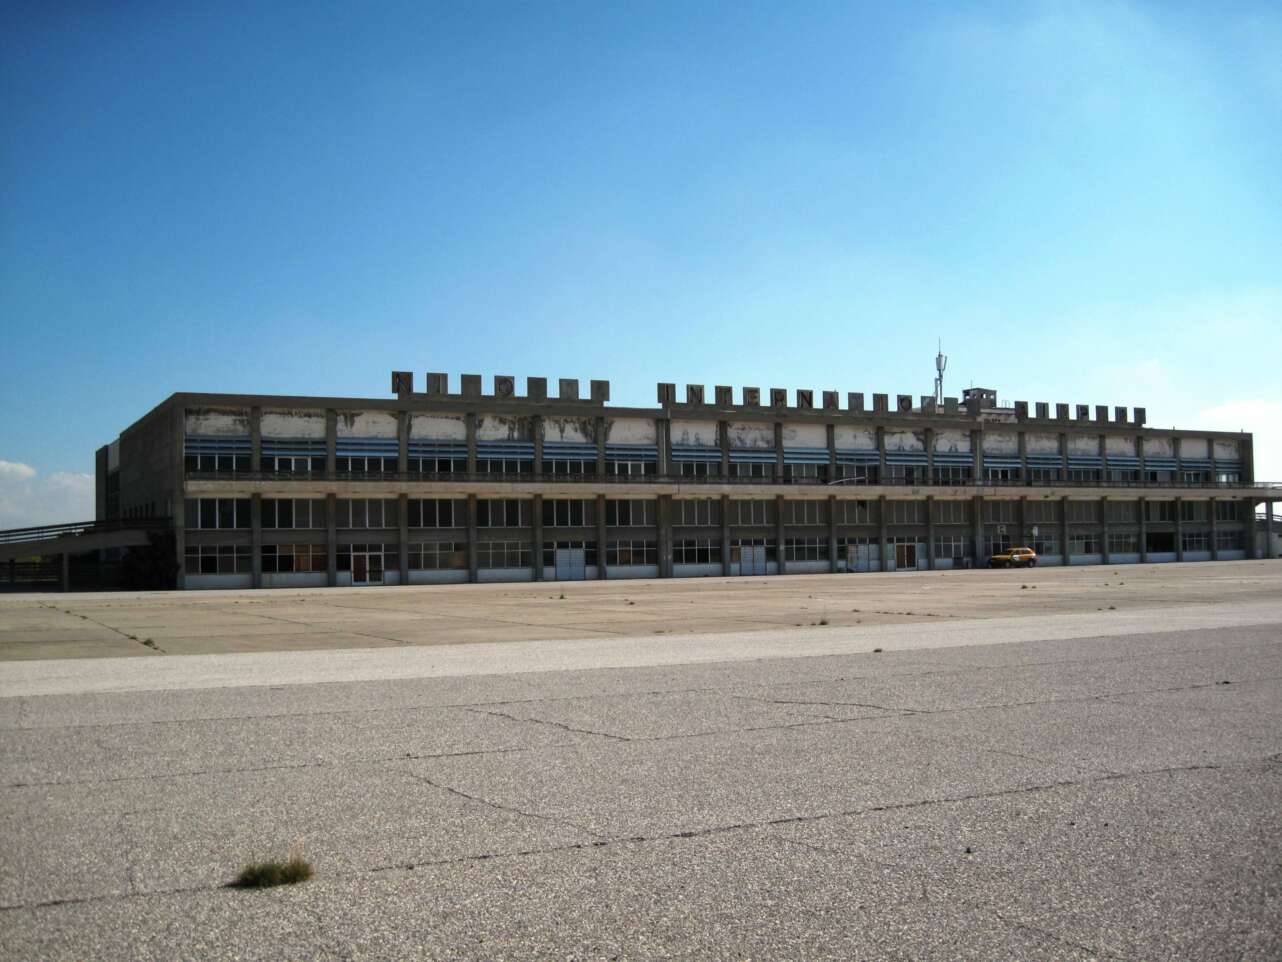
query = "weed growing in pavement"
x=261 y=875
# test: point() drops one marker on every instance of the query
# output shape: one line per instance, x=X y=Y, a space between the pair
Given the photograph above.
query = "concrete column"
x=663 y=512
x=179 y=512
x=930 y=455
x=832 y=524
x=403 y=519
x=882 y=534
x=977 y=530
x=403 y=441
x=1021 y=516
x=1105 y=554
x=1103 y=456
x=1215 y=528
x=1270 y=549
x=1022 y=436
x=65 y=581
x=1063 y=458
x=599 y=431
x=469 y=420
x=600 y=537
x=1065 y=550
x=1179 y=466
x=178 y=506
x=331 y=441
x=723 y=439
x=1142 y=505
x=537 y=429
x=1139 y=453
x=1248 y=525
x=256 y=540
x=832 y=454
x=725 y=534
x=930 y=533
x=331 y=536
x=779 y=456
x=663 y=440
x=881 y=457
x=1246 y=448
x=536 y=536
x=977 y=454
x=1179 y=529
x=779 y=531
x=255 y=439
x=471 y=518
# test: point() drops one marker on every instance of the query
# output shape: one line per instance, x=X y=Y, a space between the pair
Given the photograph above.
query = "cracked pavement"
x=1109 y=792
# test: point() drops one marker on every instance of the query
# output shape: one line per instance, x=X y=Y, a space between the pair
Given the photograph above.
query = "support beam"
x=256 y=540
x=601 y=572
x=403 y=521
x=725 y=534
x=779 y=534
x=536 y=537
x=331 y=537
x=472 y=559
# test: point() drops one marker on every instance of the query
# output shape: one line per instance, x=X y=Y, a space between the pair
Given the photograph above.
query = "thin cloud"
x=28 y=499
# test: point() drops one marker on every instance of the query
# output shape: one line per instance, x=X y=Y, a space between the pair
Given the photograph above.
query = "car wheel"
x=1033 y=563
x=1007 y=565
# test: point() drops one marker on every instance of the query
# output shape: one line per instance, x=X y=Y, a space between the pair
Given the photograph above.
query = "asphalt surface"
x=1108 y=787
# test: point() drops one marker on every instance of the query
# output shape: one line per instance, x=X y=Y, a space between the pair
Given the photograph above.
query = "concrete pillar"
x=881 y=457
x=977 y=454
x=599 y=432
x=725 y=533
x=832 y=525
x=723 y=439
x=1139 y=453
x=331 y=441
x=255 y=439
x=178 y=505
x=1179 y=467
x=536 y=537
x=663 y=512
x=1215 y=527
x=537 y=429
x=977 y=530
x=663 y=440
x=930 y=533
x=1270 y=549
x=1103 y=456
x=1179 y=529
x=1022 y=437
x=256 y=540
x=930 y=455
x=1065 y=550
x=831 y=431
x=403 y=519
x=1142 y=505
x=1021 y=516
x=882 y=534
x=65 y=581
x=1248 y=526
x=779 y=460
x=469 y=420
x=471 y=519
x=403 y=441
x=1105 y=554
x=331 y=536
x=1063 y=459
x=779 y=532
x=600 y=537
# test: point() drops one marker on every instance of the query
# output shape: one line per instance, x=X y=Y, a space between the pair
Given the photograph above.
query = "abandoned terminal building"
x=440 y=486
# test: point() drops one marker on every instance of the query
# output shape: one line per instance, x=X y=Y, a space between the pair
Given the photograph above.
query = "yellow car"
x=1014 y=558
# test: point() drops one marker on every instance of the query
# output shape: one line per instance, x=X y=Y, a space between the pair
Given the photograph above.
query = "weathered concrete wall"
x=847 y=437
x=1086 y=445
x=438 y=427
x=294 y=424
x=695 y=433
x=213 y=422
x=805 y=436
x=952 y=442
x=366 y=424
x=748 y=434
x=569 y=430
x=1041 y=443
x=1001 y=442
x=1194 y=448
x=1159 y=448
x=905 y=441
x=1120 y=445
x=1228 y=450
x=630 y=431
x=500 y=427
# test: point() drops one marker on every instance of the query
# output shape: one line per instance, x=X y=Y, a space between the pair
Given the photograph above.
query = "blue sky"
x=1084 y=201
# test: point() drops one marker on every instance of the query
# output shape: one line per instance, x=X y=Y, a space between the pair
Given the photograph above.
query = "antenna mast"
x=941 y=362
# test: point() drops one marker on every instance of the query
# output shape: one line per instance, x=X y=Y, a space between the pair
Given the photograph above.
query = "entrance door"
x=360 y=569
x=906 y=556
x=569 y=564
x=367 y=567
x=752 y=559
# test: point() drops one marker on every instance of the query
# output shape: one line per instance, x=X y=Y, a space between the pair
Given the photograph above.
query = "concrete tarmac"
x=1099 y=785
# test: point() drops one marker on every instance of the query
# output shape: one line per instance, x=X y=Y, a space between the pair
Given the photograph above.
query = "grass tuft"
x=261 y=875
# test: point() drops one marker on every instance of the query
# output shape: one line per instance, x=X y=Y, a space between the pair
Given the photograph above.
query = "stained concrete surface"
x=1104 y=786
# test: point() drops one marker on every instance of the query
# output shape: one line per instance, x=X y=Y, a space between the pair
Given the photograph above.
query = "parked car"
x=1014 y=558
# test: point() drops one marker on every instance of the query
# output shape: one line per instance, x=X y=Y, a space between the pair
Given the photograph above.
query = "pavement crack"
x=499 y=806
x=542 y=721
x=1093 y=952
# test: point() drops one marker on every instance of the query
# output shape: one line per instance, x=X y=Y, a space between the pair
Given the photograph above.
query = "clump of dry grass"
x=260 y=875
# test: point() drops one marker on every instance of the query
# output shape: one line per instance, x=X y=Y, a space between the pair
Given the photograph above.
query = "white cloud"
x=28 y=499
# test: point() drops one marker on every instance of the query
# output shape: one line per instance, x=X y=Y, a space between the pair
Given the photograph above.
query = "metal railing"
x=50 y=532
x=420 y=477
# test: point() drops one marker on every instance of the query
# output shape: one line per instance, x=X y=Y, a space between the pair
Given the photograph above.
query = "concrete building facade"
x=439 y=486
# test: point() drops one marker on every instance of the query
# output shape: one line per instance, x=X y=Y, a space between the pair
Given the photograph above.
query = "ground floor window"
x=953 y=546
x=631 y=553
x=1160 y=542
x=1085 y=542
x=218 y=559
x=503 y=554
x=740 y=546
x=389 y=553
x=1123 y=542
x=1196 y=541
x=1046 y=544
x=294 y=557
x=997 y=543
x=696 y=551
x=437 y=555
x=550 y=548
x=805 y=549
x=1228 y=540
